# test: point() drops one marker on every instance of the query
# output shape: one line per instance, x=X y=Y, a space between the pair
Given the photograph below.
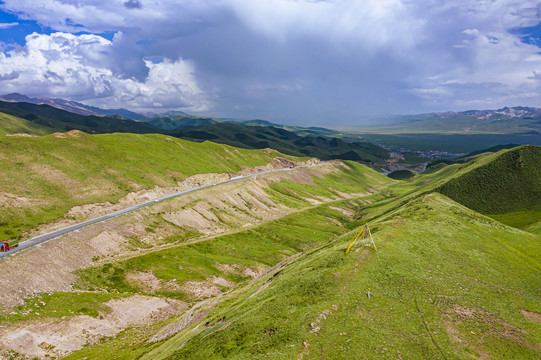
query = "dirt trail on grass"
x=228 y=207
x=58 y=337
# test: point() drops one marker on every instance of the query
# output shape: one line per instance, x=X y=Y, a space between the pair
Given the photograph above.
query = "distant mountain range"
x=24 y=117
x=168 y=121
x=499 y=114
x=508 y=120
x=177 y=122
x=72 y=106
x=48 y=119
x=519 y=125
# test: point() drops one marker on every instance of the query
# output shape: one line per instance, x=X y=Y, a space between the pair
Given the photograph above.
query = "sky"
x=306 y=62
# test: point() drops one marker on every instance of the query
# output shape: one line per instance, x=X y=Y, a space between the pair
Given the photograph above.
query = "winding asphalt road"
x=54 y=234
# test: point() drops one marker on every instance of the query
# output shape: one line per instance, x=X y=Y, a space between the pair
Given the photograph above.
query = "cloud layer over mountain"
x=314 y=61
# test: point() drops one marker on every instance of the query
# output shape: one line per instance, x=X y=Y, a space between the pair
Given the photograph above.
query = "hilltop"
x=168 y=121
x=177 y=122
x=506 y=184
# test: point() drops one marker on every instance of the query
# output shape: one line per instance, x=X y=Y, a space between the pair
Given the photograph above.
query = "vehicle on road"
x=9 y=244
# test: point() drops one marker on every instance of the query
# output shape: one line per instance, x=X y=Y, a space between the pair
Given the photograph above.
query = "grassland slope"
x=507 y=181
x=41 y=178
x=446 y=283
x=10 y=124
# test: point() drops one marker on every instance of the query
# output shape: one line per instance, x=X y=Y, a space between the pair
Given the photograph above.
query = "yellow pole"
x=356 y=237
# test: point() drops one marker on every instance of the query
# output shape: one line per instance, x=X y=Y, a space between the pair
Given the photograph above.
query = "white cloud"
x=369 y=24
x=493 y=68
x=75 y=67
x=8 y=25
x=109 y=15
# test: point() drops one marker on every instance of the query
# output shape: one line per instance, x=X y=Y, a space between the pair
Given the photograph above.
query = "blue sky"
x=297 y=61
x=14 y=30
x=529 y=34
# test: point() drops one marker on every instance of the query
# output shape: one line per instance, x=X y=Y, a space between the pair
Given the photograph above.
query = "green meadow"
x=43 y=177
x=455 y=275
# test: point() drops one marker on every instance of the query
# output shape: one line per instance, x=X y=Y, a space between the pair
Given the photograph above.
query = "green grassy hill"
x=401 y=175
x=257 y=137
x=42 y=177
x=502 y=183
x=445 y=283
x=53 y=119
x=492 y=149
x=175 y=122
x=252 y=134
x=13 y=125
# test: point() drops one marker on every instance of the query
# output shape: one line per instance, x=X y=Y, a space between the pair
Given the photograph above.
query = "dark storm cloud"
x=11 y=76
x=308 y=61
x=133 y=4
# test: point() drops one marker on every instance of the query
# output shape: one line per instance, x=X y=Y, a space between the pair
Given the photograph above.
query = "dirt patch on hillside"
x=49 y=266
x=222 y=282
x=346 y=212
x=108 y=243
x=275 y=164
x=89 y=211
x=200 y=290
x=144 y=280
x=492 y=326
x=133 y=230
x=253 y=272
x=75 y=133
x=315 y=325
x=213 y=286
x=21 y=135
x=60 y=337
x=333 y=221
x=194 y=220
x=532 y=316
x=11 y=200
